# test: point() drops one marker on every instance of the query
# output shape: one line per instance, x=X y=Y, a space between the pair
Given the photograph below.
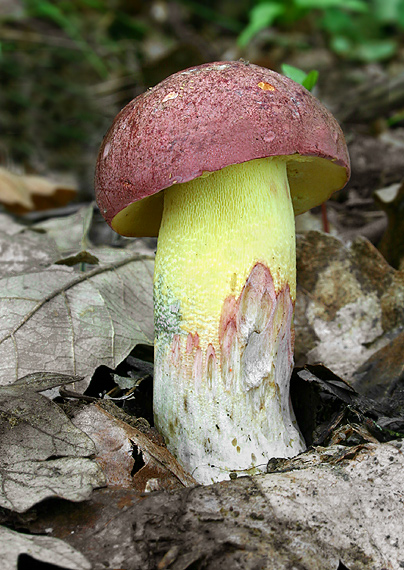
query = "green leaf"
x=377 y=50
x=96 y=4
x=396 y=118
x=341 y=45
x=308 y=80
x=261 y=16
x=352 y=5
x=366 y=51
x=46 y=9
x=294 y=73
x=338 y=23
x=387 y=11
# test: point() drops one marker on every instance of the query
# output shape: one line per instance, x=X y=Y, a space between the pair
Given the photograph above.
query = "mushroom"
x=217 y=160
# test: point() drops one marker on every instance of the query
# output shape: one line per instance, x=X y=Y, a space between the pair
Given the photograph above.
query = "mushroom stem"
x=224 y=289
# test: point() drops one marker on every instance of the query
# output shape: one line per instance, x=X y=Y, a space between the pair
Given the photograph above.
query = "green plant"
x=356 y=29
x=68 y=16
x=56 y=56
x=265 y=13
x=369 y=36
x=308 y=80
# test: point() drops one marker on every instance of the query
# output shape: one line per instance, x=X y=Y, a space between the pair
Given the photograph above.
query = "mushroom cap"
x=208 y=117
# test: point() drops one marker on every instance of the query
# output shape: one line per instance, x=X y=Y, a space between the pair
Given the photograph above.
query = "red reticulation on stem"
x=258 y=308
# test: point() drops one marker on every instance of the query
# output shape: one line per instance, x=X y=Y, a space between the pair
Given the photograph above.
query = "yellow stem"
x=224 y=293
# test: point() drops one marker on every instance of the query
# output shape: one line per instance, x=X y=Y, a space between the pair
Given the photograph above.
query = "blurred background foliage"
x=67 y=67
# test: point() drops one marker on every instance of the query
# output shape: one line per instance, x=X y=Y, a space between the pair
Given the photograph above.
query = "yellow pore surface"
x=214 y=230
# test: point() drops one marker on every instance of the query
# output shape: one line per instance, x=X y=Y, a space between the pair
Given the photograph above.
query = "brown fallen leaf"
x=114 y=439
x=113 y=447
x=22 y=193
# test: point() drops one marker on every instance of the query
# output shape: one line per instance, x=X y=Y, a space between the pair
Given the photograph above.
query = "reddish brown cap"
x=208 y=117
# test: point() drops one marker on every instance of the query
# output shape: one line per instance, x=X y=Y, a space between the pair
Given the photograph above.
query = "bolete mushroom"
x=216 y=160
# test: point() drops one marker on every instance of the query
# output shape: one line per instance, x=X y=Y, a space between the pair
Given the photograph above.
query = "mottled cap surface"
x=205 y=118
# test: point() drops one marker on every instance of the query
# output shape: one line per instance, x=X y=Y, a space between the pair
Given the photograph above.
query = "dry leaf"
x=59 y=320
x=43 y=548
x=324 y=404
x=42 y=454
x=330 y=508
x=113 y=447
x=25 y=251
x=70 y=233
x=27 y=483
x=21 y=193
x=383 y=374
x=9 y=226
x=114 y=439
x=13 y=192
x=348 y=302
